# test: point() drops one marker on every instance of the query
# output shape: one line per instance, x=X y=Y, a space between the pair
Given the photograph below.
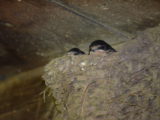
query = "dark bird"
x=75 y=51
x=100 y=46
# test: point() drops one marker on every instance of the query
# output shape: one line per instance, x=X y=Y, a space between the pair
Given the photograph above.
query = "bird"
x=75 y=51
x=100 y=46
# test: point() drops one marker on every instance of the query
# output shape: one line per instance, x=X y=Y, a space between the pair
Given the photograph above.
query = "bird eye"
x=93 y=50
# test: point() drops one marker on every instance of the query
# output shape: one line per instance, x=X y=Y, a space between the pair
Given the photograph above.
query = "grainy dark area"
x=41 y=28
x=32 y=32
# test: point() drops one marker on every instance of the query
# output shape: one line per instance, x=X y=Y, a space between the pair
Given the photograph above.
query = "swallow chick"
x=100 y=47
x=75 y=51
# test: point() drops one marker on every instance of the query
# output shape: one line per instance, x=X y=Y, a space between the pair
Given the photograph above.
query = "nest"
x=119 y=86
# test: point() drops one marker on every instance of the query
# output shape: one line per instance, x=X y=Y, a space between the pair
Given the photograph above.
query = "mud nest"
x=119 y=86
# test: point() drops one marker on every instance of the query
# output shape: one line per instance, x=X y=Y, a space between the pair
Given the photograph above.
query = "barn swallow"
x=75 y=51
x=100 y=47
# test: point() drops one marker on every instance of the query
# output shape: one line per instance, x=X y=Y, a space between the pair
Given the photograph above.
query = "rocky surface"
x=38 y=29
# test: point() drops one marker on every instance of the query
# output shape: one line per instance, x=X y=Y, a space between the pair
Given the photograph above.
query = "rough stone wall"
x=37 y=29
x=120 y=86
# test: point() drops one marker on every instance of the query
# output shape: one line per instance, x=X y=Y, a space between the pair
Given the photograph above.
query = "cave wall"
x=36 y=29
